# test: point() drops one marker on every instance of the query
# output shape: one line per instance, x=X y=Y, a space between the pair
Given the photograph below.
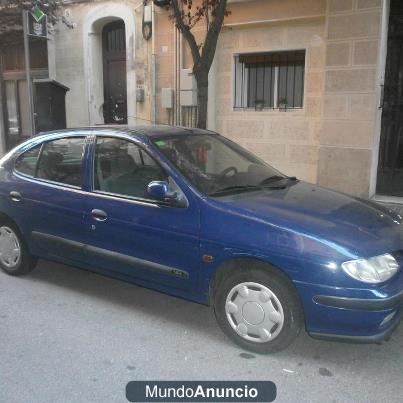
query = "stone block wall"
x=287 y=140
x=347 y=129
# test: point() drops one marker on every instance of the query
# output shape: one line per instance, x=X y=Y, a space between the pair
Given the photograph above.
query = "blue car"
x=190 y=213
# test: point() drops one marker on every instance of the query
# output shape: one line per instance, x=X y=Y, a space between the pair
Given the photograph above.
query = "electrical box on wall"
x=188 y=95
x=187 y=80
x=188 y=98
x=167 y=98
x=140 y=95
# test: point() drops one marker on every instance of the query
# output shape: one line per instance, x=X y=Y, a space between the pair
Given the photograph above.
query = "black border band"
x=360 y=304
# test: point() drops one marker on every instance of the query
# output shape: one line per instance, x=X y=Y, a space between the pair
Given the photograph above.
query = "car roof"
x=149 y=131
x=140 y=133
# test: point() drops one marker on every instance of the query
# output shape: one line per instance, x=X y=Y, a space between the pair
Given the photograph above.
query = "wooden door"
x=114 y=62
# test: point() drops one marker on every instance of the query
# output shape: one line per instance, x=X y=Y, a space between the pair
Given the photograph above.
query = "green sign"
x=37 y=23
x=37 y=13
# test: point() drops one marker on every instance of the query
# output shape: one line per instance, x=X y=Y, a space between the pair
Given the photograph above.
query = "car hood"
x=359 y=226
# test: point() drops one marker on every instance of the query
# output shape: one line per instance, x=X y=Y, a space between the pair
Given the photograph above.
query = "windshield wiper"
x=243 y=188
x=276 y=178
x=235 y=188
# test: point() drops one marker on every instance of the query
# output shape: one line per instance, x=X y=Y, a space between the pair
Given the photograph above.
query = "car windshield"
x=217 y=166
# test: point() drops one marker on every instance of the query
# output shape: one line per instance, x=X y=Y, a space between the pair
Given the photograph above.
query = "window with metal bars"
x=269 y=80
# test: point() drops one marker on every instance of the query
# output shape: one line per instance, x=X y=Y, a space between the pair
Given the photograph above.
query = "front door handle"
x=99 y=215
x=15 y=196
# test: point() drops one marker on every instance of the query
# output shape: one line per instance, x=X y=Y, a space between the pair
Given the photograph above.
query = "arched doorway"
x=98 y=19
x=114 y=73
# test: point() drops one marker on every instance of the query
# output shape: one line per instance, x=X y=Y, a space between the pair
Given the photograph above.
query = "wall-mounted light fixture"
x=147 y=26
x=162 y=3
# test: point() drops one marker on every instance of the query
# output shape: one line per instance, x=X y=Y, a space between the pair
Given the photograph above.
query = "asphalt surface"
x=68 y=335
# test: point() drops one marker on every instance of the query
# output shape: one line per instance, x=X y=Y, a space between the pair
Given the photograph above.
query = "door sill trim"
x=87 y=250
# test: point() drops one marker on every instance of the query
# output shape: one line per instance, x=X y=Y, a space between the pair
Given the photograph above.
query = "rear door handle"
x=15 y=196
x=99 y=215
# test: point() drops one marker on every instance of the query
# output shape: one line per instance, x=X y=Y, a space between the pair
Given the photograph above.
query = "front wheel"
x=258 y=309
x=15 y=258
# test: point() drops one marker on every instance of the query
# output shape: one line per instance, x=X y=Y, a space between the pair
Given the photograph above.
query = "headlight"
x=374 y=270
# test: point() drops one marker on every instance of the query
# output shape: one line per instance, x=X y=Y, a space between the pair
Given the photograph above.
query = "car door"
x=130 y=233
x=47 y=198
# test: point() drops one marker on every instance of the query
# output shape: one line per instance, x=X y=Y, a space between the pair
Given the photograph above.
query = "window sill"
x=270 y=110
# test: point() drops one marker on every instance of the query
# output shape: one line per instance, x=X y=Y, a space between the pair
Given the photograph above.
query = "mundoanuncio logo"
x=201 y=391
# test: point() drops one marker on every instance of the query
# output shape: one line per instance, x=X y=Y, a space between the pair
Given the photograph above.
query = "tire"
x=258 y=309
x=15 y=258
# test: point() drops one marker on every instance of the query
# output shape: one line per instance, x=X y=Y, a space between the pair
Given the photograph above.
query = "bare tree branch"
x=186 y=32
x=186 y=18
x=213 y=33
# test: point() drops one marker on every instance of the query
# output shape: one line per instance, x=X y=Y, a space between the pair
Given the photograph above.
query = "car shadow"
x=163 y=307
x=199 y=318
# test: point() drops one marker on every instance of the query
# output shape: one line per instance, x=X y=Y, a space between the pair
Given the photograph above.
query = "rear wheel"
x=258 y=309
x=15 y=258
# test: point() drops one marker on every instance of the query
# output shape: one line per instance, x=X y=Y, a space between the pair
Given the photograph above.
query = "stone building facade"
x=77 y=61
x=333 y=139
x=326 y=60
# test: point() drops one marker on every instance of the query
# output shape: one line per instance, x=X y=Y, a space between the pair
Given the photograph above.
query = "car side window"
x=26 y=162
x=61 y=161
x=123 y=168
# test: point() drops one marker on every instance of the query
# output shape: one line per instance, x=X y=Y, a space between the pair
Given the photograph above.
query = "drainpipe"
x=175 y=109
x=28 y=77
x=179 y=72
x=3 y=147
x=153 y=68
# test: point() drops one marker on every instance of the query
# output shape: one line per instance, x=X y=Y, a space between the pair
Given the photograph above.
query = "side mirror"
x=159 y=190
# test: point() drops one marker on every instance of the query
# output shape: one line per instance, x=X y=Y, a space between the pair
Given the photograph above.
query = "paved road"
x=68 y=335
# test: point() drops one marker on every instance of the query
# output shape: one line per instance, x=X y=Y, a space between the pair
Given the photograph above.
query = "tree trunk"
x=202 y=97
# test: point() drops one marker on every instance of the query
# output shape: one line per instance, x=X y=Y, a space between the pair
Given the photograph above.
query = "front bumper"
x=374 y=338
x=352 y=315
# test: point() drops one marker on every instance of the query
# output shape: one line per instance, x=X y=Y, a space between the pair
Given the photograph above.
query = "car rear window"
x=61 y=161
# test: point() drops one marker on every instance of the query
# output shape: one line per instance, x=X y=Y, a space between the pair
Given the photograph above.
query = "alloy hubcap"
x=10 y=250
x=254 y=312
